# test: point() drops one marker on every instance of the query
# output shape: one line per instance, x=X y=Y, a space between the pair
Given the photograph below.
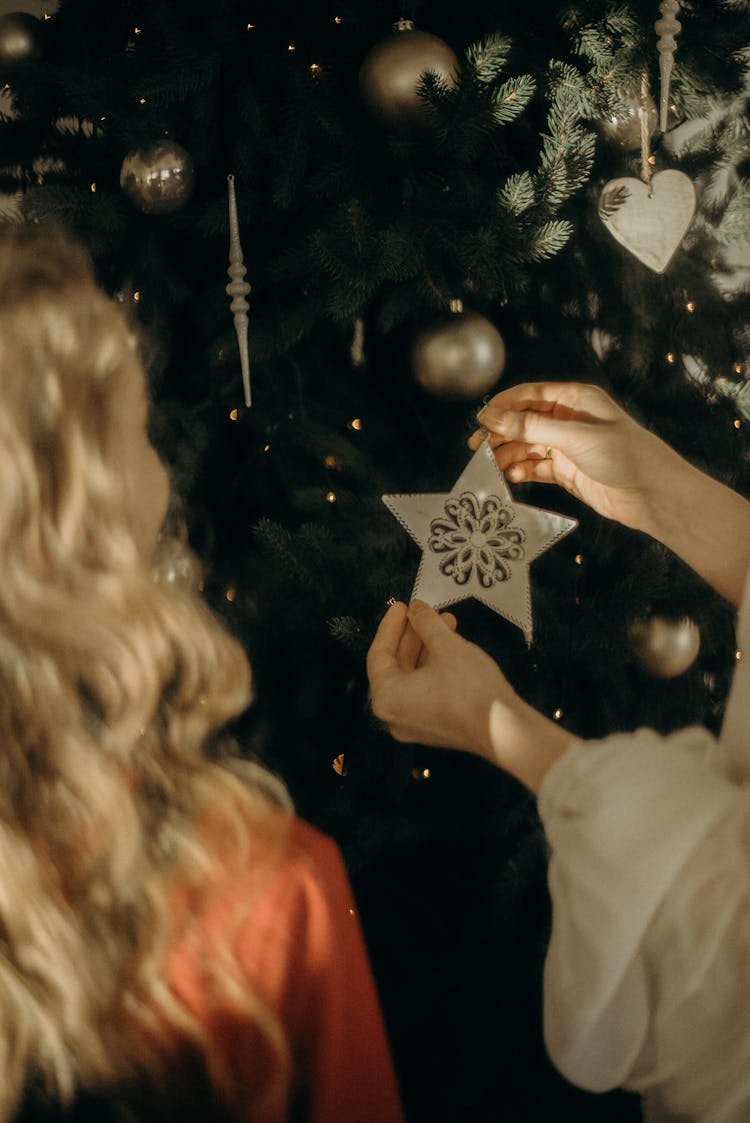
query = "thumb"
x=429 y=625
x=534 y=428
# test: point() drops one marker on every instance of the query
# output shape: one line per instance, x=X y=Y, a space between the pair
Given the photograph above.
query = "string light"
x=330 y=497
x=136 y=296
x=339 y=765
x=557 y=714
x=355 y=423
x=137 y=30
x=420 y=773
x=250 y=27
x=315 y=69
x=47 y=15
x=337 y=19
x=292 y=47
x=231 y=594
x=670 y=357
x=737 y=423
x=331 y=462
x=579 y=559
x=738 y=368
x=690 y=306
x=738 y=656
x=141 y=101
x=93 y=187
x=233 y=414
x=266 y=448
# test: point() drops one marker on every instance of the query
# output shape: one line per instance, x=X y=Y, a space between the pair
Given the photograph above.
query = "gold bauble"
x=461 y=357
x=665 y=648
x=622 y=128
x=390 y=74
x=20 y=40
x=158 y=178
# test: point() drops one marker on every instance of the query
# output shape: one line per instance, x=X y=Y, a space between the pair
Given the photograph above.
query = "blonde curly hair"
x=114 y=690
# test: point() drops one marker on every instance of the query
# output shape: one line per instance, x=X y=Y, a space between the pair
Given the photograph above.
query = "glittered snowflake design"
x=476 y=536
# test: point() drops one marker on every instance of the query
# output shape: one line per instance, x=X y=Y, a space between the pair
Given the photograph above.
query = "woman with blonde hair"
x=171 y=936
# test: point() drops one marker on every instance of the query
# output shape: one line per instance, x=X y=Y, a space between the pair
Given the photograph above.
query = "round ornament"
x=665 y=648
x=461 y=357
x=390 y=74
x=622 y=127
x=159 y=178
x=20 y=40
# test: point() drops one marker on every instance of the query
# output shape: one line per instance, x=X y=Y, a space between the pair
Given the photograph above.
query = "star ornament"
x=477 y=542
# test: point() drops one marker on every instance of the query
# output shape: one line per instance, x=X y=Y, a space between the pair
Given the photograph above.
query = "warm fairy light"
x=103 y=118
x=738 y=656
x=137 y=30
x=339 y=765
x=47 y=15
x=738 y=368
x=670 y=357
x=315 y=69
x=337 y=19
x=579 y=559
x=266 y=448
x=652 y=160
x=40 y=180
x=231 y=594
x=250 y=27
x=330 y=497
x=136 y=296
x=737 y=423
x=93 y=187
x=234 y=414
x=690 y=306
x=420 y=773
x=292 y=47
x=557 y=714
x=355 y=423
x=141 y=101
x=331 y=462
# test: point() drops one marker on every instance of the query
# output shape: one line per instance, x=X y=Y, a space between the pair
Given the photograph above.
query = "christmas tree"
x=426 y=214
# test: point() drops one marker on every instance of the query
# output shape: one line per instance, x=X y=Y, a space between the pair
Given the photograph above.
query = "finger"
x=515 y=452
x=541 y=431
x=428 y=624
x=564 y=399
x=535 y=471
x=382 y=656
x=449 y=620
x=409 y=649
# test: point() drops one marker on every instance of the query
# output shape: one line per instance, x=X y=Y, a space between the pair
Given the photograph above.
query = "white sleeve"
x=624 y=818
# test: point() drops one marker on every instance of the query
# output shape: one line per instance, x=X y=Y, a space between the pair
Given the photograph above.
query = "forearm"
x=704 y=523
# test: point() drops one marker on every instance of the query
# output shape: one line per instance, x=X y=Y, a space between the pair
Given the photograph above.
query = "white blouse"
x=647 y=978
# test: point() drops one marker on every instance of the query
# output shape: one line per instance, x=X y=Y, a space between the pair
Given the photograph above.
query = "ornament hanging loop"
x=666 y=28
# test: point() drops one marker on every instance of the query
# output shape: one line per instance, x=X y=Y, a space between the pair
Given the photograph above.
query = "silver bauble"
x=159 y=178
x=665 y=648
x=461 y=357
x=20 y=40
x=390 y=74
x=622 y=128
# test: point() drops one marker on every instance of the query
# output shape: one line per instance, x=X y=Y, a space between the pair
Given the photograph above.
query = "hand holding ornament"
x=431 y=686
x=576 y=436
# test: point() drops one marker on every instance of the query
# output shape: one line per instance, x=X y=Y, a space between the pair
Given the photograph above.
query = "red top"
x=299 y=946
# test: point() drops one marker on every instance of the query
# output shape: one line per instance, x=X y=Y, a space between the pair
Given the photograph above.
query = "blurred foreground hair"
x=114 y=691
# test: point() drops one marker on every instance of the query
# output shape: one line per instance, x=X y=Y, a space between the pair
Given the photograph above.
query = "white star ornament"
x=477 y=542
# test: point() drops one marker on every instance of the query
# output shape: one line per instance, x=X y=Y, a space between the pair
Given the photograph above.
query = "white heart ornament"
x=650 y=222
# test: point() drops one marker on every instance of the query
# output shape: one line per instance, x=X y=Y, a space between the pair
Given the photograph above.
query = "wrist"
x=523 y=742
